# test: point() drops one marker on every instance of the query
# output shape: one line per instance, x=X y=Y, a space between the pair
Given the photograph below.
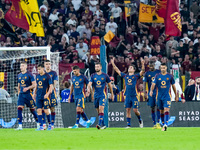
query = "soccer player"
x=79 y=81
x=53 y=98
x=163 y=82
x=99 y=80
x=26 y=84
x=131 y=99
x=42 y=92
x=148 y=78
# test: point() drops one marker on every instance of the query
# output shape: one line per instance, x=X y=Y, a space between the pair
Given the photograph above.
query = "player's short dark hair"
x=1 y=84
x=47 y=60
x=75 y=67
x=132 y=65
x=40 y=65
x=23 y=62
x=164 y=64
x=98 y=63
x=67 y=84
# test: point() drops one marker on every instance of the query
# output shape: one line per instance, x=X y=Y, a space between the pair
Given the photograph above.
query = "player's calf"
x=19 y=114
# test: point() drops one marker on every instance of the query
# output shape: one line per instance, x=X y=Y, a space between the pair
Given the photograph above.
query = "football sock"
x=166 y=117
x=34 y=114
x=158 y=115
x=139 y=118
x=162 y=118
x=153 y=115
x=43 y=117
x=101 y=115
x=78 y=115
x=49 y=118
x=53 y=114
x=84 y=116
x=19 y=112
x=128 y=121
x=40 y=120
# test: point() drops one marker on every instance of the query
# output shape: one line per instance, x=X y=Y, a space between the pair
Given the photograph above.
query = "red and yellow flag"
x=26 y=15
x=173 y=26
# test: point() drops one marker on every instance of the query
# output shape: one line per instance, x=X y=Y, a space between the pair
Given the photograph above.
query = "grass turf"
x=109 y=139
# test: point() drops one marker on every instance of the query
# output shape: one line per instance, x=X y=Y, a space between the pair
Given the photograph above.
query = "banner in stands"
x=95 y=45
x=65 y=69
x=181 y=115
x=147 y=14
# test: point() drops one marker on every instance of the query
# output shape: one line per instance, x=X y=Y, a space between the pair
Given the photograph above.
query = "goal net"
x=10 y=58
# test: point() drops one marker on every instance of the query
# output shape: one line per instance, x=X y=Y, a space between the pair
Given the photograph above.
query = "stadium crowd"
x=70 y=24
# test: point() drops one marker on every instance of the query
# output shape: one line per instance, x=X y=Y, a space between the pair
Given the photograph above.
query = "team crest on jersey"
x=95 y=78
x=51 y=75
x=73 y=79
x=25 y=77
x=127 y=77
x=37 y=79
x=80 y=79
x=19 y=77
x=167 y=78
x=132 y=77
x=102 y=78
x=159 y=79
x=43 y=78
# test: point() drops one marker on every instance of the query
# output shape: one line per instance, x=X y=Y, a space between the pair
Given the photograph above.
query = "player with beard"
x=98 y=81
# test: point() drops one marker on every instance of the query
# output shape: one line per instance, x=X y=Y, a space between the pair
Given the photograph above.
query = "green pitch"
x=109 y=139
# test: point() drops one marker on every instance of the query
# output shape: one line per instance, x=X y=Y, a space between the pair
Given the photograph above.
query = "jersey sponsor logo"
x=129 y=80
x=98 y=82
x=163 y=83
x=40 y=82
x=22 y=81
x=76 y=83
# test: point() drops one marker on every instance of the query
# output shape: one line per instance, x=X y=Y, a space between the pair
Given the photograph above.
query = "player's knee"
x=52 y=109
x=78 y=109
x=135 y=111
x=39 y=111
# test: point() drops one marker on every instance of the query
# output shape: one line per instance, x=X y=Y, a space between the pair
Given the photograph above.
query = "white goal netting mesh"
x=10 y=59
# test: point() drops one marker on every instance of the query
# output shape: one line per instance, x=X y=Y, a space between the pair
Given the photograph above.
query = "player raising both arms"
x=79 y=81
x=26 y=83
x=53 y=98
x=148 y=78
x=131 y=99
x=163 y=82
x=42 y=92
x=99 y=80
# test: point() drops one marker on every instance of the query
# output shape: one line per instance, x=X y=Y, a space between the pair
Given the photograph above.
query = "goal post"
x=10 y=58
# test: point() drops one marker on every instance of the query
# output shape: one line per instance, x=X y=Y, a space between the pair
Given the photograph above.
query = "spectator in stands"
x=112 y=26
x=65 y=93
x=192 y=91
x=115 y=90
x=54 y=15
x=3 y=94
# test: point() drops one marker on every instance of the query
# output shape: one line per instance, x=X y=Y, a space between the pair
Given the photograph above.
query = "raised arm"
x=143 y=68
x=115 y=67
